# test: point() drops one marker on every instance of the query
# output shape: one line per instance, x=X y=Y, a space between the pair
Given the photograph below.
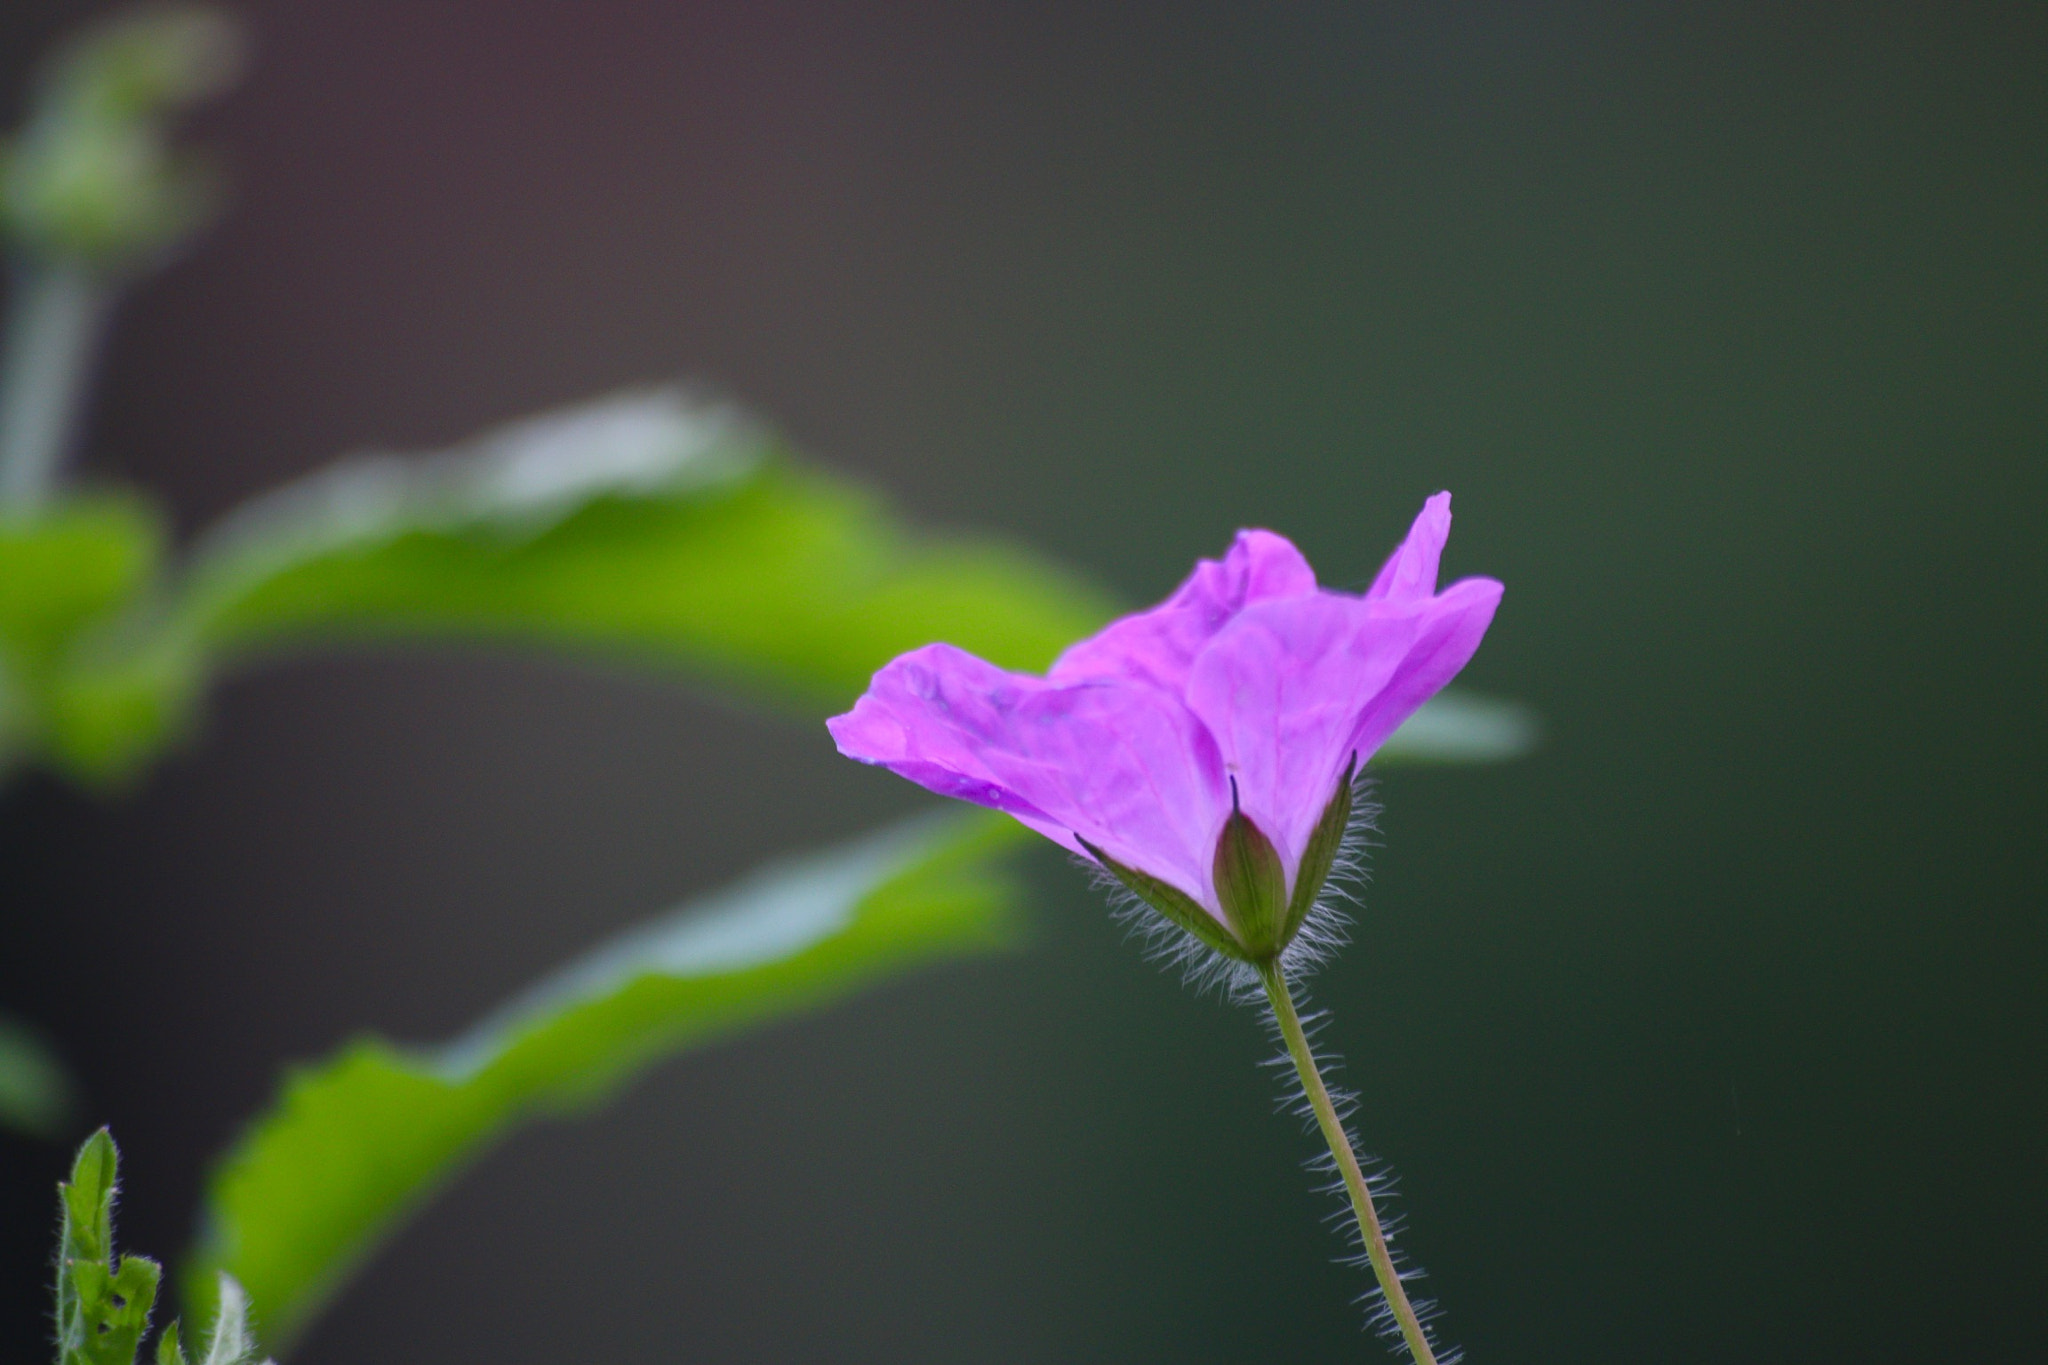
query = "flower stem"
x=1369 y=1228
x=53 y=333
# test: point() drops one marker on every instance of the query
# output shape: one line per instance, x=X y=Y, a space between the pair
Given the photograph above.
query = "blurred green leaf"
x=1461 y=727
x=645 y=525
x=357 y=1143
x=36 y=1095
x=75 y=579
x=64 y=567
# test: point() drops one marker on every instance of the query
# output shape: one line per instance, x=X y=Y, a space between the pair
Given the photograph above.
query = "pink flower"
x=1202 y=751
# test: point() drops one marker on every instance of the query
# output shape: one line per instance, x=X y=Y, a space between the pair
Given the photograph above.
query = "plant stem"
x=1369 y=1228
x=53 y=331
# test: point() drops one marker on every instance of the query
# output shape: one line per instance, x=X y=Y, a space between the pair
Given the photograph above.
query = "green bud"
x=1251 y=884
x=92 y=179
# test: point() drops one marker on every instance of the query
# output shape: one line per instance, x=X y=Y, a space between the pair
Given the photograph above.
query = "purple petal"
x=1282 y=690
x=1410 y=572
x=1158 y=647
x=1122 y=765
x=1453 y=624
x=1291 y=690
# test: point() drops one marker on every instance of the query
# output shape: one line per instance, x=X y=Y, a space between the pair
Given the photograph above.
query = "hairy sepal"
x=1174 y=904
x=1251 y=883
x=1320 y=856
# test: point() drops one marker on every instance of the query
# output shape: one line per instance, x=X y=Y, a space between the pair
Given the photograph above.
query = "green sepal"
x=168 y=1349
x=1172 y=902
x=1251 y=883
x=1320 y=855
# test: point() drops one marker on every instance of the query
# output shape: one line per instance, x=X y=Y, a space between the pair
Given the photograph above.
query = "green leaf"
x=1459 y=727
x=65 y=567
x=359 y=1142
x=231 y=1342
x=36 y=1094
x=649 y=526
x=103 y=1306
x=72 y=577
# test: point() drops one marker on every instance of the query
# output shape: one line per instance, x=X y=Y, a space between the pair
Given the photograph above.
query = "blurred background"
x=1714 y=1031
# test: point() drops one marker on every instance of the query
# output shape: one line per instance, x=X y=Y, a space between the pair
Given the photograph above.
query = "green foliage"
x=1460 y=727
x=35 y=1092
x=92 y=180
x=69 y=576
x=646 y=527
x=357 y=1143
x=103 y=1304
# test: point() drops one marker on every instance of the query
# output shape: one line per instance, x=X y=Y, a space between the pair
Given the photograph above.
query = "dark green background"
x=1714 y=1032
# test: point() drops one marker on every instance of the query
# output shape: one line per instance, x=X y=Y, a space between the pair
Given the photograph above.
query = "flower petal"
x=1410 y=572
x=1292 y=689
x=1281 y=689
x=1453 y=624
x=1158 y=647
x=1122 y=765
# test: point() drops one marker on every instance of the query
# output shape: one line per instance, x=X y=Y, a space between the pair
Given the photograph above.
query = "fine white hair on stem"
x=1323 y=931
x=1382 y=1185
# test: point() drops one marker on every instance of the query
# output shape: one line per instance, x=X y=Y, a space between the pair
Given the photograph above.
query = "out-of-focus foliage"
x=36 y=1095
x=360 y=1141
x=68 y=574
x=104 y=1302
x=1459 y=727
x=646 y=527
x=92 y=179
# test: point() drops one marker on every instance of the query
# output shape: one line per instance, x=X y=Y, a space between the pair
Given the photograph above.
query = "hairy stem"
x=1369 y=1228
x=53 y=331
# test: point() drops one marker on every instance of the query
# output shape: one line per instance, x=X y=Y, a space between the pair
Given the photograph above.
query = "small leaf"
x=36 y=1095
x=360 y=1142
x=88 y=1200
x=102 y=1308
x=169 y=1351
x=231 y=1342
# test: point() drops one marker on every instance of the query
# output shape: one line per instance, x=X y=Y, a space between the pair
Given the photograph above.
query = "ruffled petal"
x=1124 y=766
x=1157 y=647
